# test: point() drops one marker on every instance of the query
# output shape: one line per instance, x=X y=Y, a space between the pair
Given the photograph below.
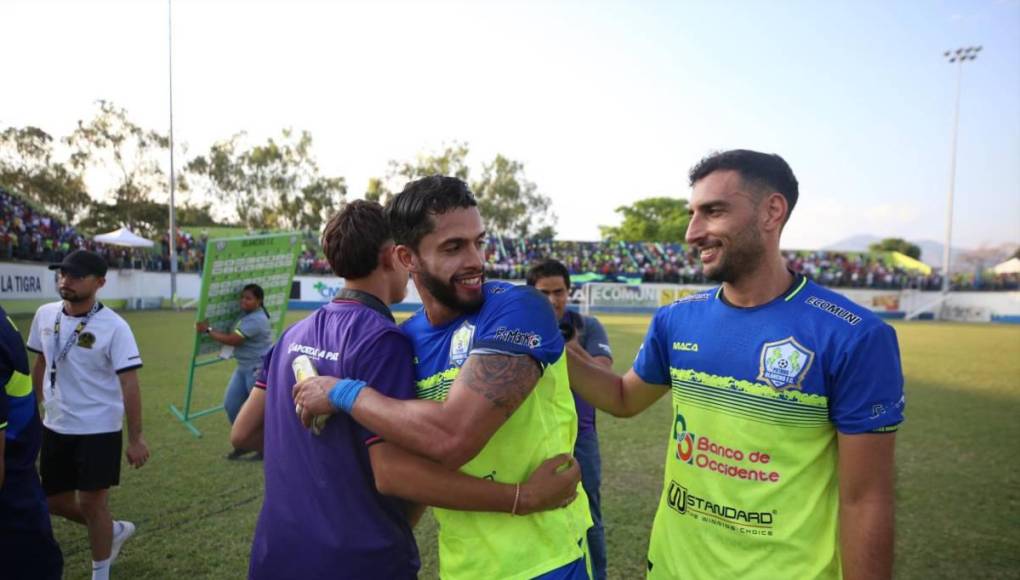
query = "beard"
x=743 y=255
x=445 y=292
x=72 y=296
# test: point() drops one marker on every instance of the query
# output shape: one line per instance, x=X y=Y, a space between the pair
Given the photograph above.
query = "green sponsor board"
x=230 y=265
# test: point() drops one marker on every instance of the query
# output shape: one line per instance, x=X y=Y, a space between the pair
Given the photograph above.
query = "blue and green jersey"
x=758 y=396
x=515 y=321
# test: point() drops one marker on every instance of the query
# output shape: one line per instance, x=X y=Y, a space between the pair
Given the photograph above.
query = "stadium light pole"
x=172 y=237
x=957 y=57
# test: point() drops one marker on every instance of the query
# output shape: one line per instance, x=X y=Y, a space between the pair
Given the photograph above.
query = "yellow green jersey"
x=515 y=321
x=758 y=396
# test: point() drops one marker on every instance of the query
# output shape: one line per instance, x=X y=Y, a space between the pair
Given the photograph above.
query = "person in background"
x=552 y=279
x=27 y=548
x=86 y=372
x=251 y=339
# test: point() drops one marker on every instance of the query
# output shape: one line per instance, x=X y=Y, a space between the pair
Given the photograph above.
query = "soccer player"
x=491 y=376
x=326 y=513
x=785 y=400
x=27 y=548
x=86 y=370
x=552 y=279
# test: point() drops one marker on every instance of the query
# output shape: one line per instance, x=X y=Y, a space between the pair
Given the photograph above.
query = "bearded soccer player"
x=492 y=383
x=329 y=508
x=785 y=396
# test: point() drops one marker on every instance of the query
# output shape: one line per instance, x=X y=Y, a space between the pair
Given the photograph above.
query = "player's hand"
x=311 y=398
x=576 y=351
x=137 y=453
x=202 y=326
x=553 y=485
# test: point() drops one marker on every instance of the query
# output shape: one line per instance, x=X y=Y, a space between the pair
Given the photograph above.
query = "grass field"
x=958 y=484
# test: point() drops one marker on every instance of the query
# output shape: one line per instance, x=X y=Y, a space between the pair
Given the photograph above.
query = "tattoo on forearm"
x=505 y=380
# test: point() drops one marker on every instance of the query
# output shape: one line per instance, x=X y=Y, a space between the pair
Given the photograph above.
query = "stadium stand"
x=29 y=234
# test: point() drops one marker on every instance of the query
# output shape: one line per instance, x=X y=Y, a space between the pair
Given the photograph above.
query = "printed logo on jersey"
x=460 y=343
x=86 y=340
x=686 y=346
x=518 y=337
x=738 y=520
x=684 y=439
x=784 y=363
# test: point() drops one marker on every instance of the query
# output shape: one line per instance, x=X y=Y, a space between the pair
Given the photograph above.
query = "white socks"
x=101 y=570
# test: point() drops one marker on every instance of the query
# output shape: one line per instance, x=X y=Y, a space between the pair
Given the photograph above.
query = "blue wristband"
x=344 y=393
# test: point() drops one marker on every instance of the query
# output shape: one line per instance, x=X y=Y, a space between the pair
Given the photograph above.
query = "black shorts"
x=79 y=462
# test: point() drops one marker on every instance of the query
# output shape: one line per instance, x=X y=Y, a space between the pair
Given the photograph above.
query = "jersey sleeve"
x=13 y=357
x=253 y=327
x=386 y=364
x=867 y=394
x=262 y=373
x=596 y=341
x=652 y=362
x=35 y=333
x=519 y=321
x=124 y=350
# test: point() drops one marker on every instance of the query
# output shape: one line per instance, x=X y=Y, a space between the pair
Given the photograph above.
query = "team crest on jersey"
x=460 y=344
x=86 y=340
x=785 y=363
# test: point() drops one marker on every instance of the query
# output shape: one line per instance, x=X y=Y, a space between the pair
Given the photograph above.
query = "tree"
x=272 y=185
x=510 y=204
x=654 y=219
x=377 y=191
x=27 y=167
x=897 y=245
x=115 y=145
x=452 y=162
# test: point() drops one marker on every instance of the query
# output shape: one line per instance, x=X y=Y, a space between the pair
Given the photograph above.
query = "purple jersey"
x=322 y=516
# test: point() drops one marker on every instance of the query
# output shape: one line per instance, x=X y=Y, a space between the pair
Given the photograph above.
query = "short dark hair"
x=547 y=269
x=353 y=237
x=410 y=212
x=764 y=172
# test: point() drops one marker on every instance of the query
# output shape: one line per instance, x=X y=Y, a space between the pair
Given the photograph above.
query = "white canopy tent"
x=1010 y=266
x=124 y=237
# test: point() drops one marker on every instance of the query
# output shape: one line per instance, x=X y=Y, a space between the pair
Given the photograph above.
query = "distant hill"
x=963 y=259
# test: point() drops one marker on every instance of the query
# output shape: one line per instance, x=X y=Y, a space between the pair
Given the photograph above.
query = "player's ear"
x=387 y=256
x=773 y=211
x=406 y=257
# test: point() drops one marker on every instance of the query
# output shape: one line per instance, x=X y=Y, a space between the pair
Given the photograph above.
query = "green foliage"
x=27 y=167
x=654 y=219
x=116 y=146
x=897 y=245
x=963 y=400
x=274 y=185
x=509 y=203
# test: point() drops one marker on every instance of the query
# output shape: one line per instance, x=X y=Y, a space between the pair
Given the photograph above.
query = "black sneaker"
x=257 y=456
x=236 y=454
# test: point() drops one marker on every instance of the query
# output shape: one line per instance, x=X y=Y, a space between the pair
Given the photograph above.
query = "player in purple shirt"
x=551 y=278
x=328 y=510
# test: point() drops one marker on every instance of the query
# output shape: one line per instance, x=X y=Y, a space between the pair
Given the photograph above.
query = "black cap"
x=82 y=263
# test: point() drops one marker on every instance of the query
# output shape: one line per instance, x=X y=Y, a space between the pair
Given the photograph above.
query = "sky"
x=605 y=103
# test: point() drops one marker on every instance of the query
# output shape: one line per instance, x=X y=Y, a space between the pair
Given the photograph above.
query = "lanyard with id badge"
x=52 y=401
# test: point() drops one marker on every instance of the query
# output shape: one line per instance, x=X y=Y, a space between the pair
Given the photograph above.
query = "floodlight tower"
x=957 y=57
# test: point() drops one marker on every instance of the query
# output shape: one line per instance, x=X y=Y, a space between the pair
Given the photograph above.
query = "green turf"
x=958 y=483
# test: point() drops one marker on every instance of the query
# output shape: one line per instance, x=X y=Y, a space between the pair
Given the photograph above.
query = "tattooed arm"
x=489 y=388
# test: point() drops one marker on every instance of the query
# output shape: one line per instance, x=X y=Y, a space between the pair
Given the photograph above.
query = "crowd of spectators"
x=28 y=234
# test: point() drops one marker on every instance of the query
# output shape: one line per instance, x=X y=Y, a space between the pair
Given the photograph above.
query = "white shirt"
x=87 y=386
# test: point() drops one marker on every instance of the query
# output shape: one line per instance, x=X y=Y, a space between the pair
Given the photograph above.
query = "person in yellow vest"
x=493 y=396
x=27 y=548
